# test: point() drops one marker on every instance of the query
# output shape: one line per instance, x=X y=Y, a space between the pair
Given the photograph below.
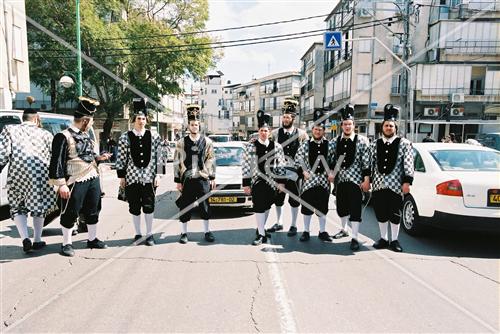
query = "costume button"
x=384 y=167
x=319 y=152
x=385 y=159
x=142 y=154
x=140 y=145
x=345 y=145
x=386 y=151
x=142 y=160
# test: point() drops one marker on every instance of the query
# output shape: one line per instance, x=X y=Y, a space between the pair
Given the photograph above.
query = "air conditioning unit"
x=457 y=98
x=398 y=49
x=364 y=12
x=456 y=112
x=431 y=112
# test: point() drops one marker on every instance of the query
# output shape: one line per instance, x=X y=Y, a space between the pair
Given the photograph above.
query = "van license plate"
x=223 y=200
x=494 y=197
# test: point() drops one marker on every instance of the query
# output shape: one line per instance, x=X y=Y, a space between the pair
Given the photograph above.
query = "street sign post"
x=332 y=40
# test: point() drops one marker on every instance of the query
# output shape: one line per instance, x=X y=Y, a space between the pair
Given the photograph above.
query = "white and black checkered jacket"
x=276 y=164
x=402 y=172
x=302 y=164
x=126 y=168
x=28 y=150
x=360 y=166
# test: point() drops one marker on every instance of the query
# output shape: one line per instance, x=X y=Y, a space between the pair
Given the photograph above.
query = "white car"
x=54 y=123
x=228 y=176
x=456 y=186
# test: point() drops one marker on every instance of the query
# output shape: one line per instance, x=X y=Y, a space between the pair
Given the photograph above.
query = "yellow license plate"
x=222 y=200
x=495 y=198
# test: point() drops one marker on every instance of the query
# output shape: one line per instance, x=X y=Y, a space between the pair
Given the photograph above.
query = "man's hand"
x=281 y=187
x=212 y=185
x=123 y=183
x=157 y=182
x=306 y=175
x=365 y=185
x=406 y=188
x=180 y=187
x=247 y=190
x=64 y=192
x=104 y=157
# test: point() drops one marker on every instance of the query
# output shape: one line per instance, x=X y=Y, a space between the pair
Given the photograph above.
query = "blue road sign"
x=332 y=40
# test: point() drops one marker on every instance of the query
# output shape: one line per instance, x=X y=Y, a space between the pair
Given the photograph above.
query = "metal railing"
x=473 y=47
x=465 y=91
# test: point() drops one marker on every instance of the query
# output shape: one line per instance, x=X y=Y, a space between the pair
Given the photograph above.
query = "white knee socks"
x=279 y=211
x=394 y=231
x=184 y=227
x=261 y=222
x=307 y=222
x=67 y=235
x=149 y=223
x=322 y=223
x=206 y=228
x=344 y=221
x=137 y=224
x=22 y=225
x=92 y=234
x=383 y=230
x=295 y=212
x=37 y=228
x=355 y=229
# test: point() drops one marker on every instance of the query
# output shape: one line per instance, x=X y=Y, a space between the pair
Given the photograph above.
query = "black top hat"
x=263 y=119
x=290 y=106
x=319 y=118
x=347 y=112
x=140 y=108
x=193 y=112
x=30 y=111
x=86 y=107
x=391 y=112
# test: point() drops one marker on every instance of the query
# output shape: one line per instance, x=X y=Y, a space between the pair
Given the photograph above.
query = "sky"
x=241 y=64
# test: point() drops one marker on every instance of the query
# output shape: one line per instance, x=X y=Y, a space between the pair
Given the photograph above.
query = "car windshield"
x=220 y=139
x=55 y=125
x=467 y=160
x=228 y=156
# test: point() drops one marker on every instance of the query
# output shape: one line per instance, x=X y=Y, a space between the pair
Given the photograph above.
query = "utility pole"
x=79 y=89
x=406 y=93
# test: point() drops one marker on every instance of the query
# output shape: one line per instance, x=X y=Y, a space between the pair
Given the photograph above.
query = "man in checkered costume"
x=392 y=175
x=194 y=173
x=290 y=138
x=353 y=176
x=263 y=174
x=27 y=147
x=314 y=160
x=140 y=160
x=73 y=170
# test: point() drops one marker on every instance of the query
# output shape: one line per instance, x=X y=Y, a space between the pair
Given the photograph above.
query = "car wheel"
x=410 y=218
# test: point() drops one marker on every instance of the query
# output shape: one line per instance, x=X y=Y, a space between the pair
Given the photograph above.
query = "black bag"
x=121 y=194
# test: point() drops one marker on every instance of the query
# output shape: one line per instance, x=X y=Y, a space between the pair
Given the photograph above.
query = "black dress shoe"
x=74 y=232
x=259 y=240
x=381 y=244
x=292 y=231
x=184 y=238
x=137 y=237
x=324 y=236
x=275 y=228
x=354 y=245
x=67 y=250
x=96 y=243
x=209 y=237
x=395 y=246
x=268 y=234
x=39 y=244
x=150 y=241
x=341 y=234
x=305 y=236
x=27 y=245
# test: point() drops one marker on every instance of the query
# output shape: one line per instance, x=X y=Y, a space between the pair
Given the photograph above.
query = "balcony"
x=488 y=95
x=486 y=47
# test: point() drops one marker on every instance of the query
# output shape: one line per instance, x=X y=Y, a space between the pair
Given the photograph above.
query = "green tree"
x=113 y=33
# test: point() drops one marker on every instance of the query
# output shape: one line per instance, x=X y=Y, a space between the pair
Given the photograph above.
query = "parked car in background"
x=456 y=186
x=491 y=140
x=221 y=138
x=169 y=147
x=54 y=123
x=228 y=176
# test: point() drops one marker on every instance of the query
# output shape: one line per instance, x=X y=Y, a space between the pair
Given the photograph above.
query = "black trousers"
x=140 y=196
x=317 y=197
x=387 y=205
x=263 y=196
x=85 y=199
x=349 y=201
x=193 y=190
x=292 y=187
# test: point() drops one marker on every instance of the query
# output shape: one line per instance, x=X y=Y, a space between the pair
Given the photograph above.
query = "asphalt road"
x=443 y=282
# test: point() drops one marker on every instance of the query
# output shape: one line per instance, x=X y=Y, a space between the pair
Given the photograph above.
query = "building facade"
x=213 y=117
x=311 y=83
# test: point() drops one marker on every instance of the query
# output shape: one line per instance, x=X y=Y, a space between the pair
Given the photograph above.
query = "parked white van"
x=54 y=123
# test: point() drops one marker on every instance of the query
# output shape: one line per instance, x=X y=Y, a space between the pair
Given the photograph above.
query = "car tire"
x=410 y=219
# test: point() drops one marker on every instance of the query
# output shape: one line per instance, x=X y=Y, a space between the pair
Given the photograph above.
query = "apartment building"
x=311 y=82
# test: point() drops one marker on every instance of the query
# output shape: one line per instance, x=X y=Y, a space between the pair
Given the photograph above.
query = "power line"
x=206 y=48
x=364 y=24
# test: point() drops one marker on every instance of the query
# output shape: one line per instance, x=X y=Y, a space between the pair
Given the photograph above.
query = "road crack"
x=475 y=272
x=254 y=296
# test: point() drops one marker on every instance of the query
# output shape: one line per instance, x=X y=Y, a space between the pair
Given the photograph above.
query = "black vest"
x=315 y=150
x=387 y=156
x=140 y=148
x=194 y=149
x=293 y=146
x=84 y=145
x=347 y=147
x=262 y=150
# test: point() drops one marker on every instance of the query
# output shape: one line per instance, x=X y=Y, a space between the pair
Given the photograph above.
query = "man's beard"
x=388 y=136
x=287 y=126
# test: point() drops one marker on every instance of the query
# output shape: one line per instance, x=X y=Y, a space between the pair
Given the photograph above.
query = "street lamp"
x=67 y=80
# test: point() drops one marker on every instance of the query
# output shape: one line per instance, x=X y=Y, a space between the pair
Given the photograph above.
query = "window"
x=363 y=82
x=418 y=163
x=214 y=91
x=365 y=46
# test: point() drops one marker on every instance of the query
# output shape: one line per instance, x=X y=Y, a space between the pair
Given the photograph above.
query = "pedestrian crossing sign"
x=332 y=40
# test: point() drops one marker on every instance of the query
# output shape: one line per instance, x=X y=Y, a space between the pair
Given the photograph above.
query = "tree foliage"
x=150 y=44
